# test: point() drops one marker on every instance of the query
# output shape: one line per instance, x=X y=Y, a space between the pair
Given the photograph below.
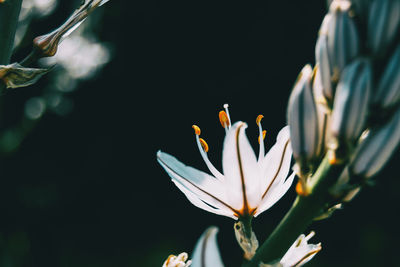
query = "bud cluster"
x=347 y=106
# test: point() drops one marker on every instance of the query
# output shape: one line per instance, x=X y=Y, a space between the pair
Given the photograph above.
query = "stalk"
x=300 y=216
x=9 y=13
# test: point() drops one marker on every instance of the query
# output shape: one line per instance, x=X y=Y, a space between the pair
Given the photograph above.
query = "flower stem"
x=300 y=216
x=9 y=12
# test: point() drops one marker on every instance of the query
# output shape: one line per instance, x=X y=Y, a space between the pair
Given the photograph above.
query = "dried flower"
x=48 y=44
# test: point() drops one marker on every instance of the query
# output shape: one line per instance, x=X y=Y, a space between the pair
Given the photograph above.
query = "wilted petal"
x=377 y=148
x=196 y=185
x=303 y=120
x=351 y=102
x=240 y=167
x=388 y=91
x=206 y=252
x=15 y=75
x=383 y=24
x=249 y=244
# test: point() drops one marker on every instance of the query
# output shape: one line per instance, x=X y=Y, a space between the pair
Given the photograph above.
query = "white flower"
x=206 y=252
x=300 y=252
x=248 y=186
x=177 y=261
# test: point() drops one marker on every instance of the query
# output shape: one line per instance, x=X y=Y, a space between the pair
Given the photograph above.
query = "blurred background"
x=80 y=182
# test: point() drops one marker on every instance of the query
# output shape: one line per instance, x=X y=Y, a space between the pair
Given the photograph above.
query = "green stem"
x=9 y=13
x=300 y=216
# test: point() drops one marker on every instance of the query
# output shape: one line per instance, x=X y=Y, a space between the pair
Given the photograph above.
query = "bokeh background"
x=80 y=185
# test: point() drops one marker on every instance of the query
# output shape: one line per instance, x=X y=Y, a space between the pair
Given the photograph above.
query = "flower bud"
x=337 y=45
x=383 y=24
x=303 y=120
x=325 y=70
x=343 y=39
x=47 y=44
x=388 y=91
x=361 y=7
x=351 y=102
x=376 y=149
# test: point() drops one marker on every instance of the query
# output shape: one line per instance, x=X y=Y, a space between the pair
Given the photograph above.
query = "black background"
x=86 y=190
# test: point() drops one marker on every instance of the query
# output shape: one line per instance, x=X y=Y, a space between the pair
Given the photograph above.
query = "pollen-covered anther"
x=259 y=118
x=196 y=129
x=204 y=144
x=224 y=119
x=264 y=132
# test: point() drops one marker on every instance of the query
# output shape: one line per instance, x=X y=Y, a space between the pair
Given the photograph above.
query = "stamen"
x=264 y=132
x=224 y=119
x=227 y=114
x=261 y=136
x=259 y=118
x=203 y=148
x=204 y=144
x=196 y=129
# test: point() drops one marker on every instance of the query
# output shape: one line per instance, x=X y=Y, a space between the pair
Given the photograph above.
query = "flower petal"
x=198 y=202
x=206 y=252
x=196 y=185
x=241 y=169
x=276 y=164
x=276 y=192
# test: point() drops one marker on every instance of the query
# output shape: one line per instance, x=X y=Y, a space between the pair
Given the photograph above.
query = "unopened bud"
x=303 y=121
x=47 y=44
x=337 y=45
x=324 y=68
x=351 y=102
x=361 y=7
x=388 y=91
x=383 y=24
x=377 y=148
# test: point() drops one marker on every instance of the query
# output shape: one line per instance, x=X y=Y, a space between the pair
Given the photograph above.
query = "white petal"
x=276 y=192
x=206 y=252
x=195 y=200
x=195 y=183
x=276 y=164
x=241 y=170
x=300 y=252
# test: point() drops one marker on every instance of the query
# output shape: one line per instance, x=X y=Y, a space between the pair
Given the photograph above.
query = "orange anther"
x=259 y=118
x=196 y=129
x=204 y=144
x=264 y=132
x=223 y=119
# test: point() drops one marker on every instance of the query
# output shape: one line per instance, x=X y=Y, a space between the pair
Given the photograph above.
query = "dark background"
x=86 y=190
